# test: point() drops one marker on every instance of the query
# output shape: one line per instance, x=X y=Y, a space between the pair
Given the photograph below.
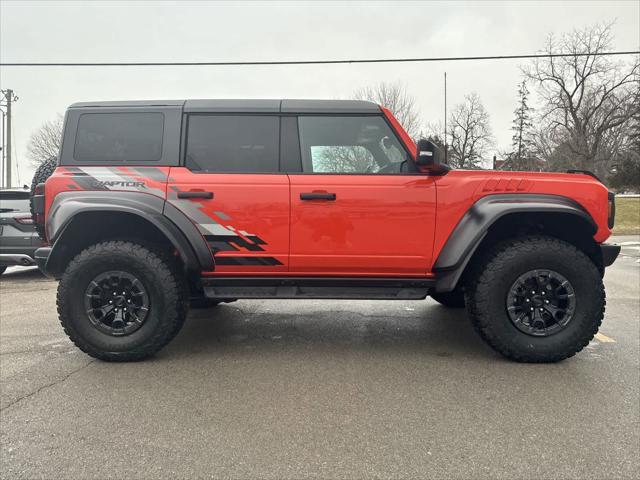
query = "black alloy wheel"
x=541 y=302
x=116 y=303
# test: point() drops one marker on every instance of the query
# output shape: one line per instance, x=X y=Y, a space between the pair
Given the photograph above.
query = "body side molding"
x=474 y=225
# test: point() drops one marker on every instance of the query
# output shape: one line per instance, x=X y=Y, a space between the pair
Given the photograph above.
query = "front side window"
x=119 y=137
x=233 y=143
x=350 y=145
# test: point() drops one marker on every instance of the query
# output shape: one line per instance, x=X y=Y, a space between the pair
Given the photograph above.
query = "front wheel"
x=119 y=301
x=536 y=299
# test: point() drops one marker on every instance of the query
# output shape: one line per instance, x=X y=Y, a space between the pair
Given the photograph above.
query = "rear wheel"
x=119 y=301
x=536 y=299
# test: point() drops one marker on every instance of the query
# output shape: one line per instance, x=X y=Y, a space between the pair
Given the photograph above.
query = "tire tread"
x=175 y=291
x=489 y=267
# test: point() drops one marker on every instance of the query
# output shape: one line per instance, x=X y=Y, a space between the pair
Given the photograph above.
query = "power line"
x=308 y=62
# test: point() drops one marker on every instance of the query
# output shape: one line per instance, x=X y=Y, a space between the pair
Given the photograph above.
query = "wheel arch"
x=79 y=219
x=496 y=217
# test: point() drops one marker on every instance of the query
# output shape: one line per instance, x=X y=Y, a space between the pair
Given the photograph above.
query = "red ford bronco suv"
x=153 y=205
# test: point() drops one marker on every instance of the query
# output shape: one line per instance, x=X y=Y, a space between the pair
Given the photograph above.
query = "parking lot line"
x=604 y=339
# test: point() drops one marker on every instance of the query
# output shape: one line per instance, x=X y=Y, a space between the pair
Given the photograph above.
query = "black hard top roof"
x=247 y=106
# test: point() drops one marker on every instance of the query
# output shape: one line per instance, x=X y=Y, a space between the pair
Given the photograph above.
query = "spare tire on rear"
x=44 y=171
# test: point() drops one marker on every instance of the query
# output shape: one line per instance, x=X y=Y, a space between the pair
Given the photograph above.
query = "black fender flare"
x=474 y=225
x=170 y=221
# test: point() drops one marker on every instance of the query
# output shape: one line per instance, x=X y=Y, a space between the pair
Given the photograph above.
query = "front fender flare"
x=474 y=225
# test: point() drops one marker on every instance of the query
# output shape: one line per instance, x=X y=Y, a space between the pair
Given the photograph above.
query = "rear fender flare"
x=172 y=223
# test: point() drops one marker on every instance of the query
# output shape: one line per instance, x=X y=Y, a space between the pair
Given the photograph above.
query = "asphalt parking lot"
x=327 y=389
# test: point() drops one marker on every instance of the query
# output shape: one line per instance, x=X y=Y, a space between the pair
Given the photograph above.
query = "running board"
x=317 y=287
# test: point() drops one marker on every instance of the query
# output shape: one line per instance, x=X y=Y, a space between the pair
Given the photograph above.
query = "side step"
x=317 y=287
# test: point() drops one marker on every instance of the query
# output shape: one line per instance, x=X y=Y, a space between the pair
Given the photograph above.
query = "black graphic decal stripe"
x=257 y=240
x=216 y=246
x=248 y=261
x=230 y=242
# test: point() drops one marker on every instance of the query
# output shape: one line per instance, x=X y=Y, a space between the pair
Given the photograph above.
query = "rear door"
x=357 y=206
x=230 y=187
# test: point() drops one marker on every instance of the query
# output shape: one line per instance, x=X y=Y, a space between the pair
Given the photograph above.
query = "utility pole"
x=9 y=97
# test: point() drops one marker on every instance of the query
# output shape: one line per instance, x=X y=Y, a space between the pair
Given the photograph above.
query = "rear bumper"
x=609 y=253
x=7 y=259
x=41 y=256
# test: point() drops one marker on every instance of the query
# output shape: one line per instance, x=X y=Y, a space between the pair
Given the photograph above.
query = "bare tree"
x=433 y=130
x=586 y=97
x=45 y=142
x=626 y=175
x=345 y=159
x=470 y=133
x=394 y=96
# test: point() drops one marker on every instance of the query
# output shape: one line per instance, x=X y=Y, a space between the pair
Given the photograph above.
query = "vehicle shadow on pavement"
x=253 y=327
x=23 y=273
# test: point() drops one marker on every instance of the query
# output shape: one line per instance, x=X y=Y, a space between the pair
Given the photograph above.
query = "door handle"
x=193 y=194
x=317 y=196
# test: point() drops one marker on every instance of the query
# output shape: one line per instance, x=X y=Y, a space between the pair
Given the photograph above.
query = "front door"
x=231 y=189
x=357 y=208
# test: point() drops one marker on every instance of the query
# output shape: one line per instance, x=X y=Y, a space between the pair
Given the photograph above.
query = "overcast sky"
x=199 y=31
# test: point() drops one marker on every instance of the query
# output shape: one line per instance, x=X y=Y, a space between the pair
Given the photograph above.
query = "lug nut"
x=546 y=301
x=533 y=292
x=532 y=309
x=542 y=309
x=528 y=300
x=110 y=301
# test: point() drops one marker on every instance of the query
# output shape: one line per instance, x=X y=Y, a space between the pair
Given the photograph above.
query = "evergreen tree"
x=522 y=146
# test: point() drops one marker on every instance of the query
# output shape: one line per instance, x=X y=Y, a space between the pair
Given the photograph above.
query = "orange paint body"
x=379 y=225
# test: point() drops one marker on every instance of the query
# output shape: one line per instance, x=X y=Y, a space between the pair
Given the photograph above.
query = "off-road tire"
x=453 y=299
x=165 y=286
x=43 y=172
x=492 y=276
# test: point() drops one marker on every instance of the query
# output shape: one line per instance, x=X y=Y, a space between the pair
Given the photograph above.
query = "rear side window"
x=233 y=143
x=119 y=137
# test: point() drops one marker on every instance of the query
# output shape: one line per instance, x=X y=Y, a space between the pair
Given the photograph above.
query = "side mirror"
x=430 y=158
